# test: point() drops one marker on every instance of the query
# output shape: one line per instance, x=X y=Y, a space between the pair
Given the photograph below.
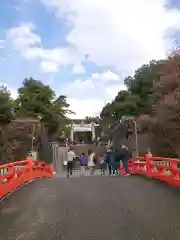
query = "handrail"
x=164 y=169
x=15 y=174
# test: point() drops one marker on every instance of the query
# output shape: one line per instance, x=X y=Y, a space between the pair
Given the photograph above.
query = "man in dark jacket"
x=122 y=154
x=117 y=158
x=125 y=157
x=109 y=159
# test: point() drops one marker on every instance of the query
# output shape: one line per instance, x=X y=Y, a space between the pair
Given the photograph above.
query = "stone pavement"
x=91 y=208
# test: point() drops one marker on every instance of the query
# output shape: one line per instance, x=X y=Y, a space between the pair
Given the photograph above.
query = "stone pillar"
x=72 y=133
x=93 y=131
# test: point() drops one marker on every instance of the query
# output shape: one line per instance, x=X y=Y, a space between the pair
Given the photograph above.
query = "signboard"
x=84 y=128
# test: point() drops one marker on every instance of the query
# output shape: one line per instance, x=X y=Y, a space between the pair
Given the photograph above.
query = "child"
x=83 y=162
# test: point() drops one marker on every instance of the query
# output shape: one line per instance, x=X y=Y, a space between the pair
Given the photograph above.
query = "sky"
x=83 y=48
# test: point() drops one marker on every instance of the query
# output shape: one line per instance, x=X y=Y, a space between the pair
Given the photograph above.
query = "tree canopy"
x=153 y=91
x=137 y=99
x=35 y=103
x=6 y=106
x=35 y=100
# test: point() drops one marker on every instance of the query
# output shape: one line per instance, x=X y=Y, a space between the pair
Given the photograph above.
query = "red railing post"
x=175 y=172
x=148 y=159
x=30 y=167
x=121 y=168
x=14 y=175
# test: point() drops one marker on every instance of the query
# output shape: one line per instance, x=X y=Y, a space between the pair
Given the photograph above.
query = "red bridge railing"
x=13 y=175
x=164 y=169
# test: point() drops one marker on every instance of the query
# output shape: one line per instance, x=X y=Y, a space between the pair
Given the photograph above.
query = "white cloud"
x=91 y=106
x=95 y=86
x=78 y=69
x=88 y=96
x=105 y=77
x=85 y=107
x=118 y=33
x=110 y=76
x=124 y=34
x=22 y=36
x=24 y=39
x=79 y=88
x=48 y=66
x=64 y=56
x=33 y=53
x=2 y=42
x=14 y=93
x=114 y=89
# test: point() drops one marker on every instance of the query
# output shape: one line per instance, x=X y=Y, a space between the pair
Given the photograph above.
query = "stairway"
x=83 y=148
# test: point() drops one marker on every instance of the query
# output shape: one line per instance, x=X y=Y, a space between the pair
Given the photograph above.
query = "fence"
x=16 y=174
x=164 y=169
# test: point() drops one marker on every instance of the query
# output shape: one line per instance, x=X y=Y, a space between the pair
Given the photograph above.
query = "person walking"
x=83 y=162
x=121 y=154
x=109 y=159
x=91 y=161
x=70 y=159
x=125 y=157
x=116 y=163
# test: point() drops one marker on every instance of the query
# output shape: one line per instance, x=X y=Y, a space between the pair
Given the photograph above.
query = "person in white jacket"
x=70 y=158
x=91 y=161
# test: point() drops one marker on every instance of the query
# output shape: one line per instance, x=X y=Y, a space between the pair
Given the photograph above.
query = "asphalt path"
x=91 y=208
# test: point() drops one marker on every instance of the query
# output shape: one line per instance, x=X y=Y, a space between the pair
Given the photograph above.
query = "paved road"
x=91 y=208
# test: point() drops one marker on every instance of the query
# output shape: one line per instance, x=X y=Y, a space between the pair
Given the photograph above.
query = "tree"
x=137 y=99
x=142 y=85
x=35 y=99
x=153 y=91
x=6 y=116
x=57 y=119
x=167 y=107
x=92 y=119
x=61 y=106
x=125 y=104
x=36 y=103
x=6 y=106
x=39 y=101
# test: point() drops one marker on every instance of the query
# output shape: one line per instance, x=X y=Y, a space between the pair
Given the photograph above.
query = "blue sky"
x=83 y=49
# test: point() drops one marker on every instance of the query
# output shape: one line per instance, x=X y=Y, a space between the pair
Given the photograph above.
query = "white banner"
x=82 y=129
